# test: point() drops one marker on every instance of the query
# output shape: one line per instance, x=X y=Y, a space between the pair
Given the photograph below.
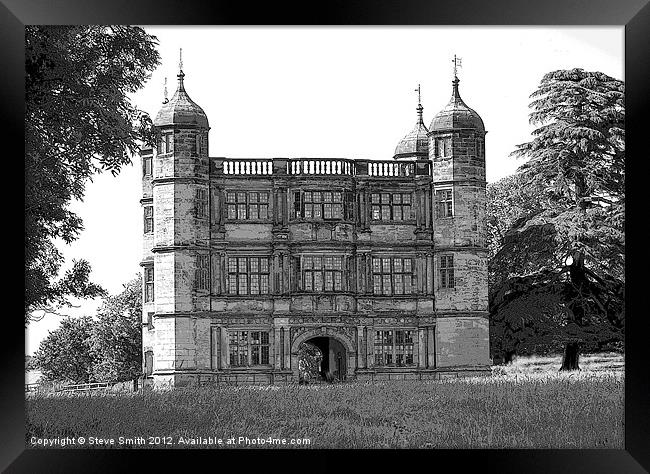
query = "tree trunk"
x=576 y=310
x=571 y=356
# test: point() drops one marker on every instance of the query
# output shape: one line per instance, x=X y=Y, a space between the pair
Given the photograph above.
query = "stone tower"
x=457 y=152
x=177 y=240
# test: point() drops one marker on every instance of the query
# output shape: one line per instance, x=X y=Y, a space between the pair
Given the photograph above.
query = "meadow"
x=527 y=404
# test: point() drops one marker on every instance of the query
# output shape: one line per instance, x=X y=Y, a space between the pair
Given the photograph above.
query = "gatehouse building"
x=380 y=264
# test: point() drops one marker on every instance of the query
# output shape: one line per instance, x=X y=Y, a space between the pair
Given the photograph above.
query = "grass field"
x=524 y=405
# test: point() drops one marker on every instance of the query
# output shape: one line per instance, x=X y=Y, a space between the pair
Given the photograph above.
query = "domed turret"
x=415 y=144
x=456 y=114
x=180 y=109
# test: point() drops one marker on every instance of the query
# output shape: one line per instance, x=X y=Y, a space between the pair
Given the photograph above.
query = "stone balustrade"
x=321 y=167
x=247 y=167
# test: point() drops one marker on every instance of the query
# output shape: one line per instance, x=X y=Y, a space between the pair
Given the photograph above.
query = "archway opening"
x=310 y=359
x=332 y=364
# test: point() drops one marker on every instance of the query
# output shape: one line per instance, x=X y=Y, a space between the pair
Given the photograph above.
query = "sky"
x=339 y=92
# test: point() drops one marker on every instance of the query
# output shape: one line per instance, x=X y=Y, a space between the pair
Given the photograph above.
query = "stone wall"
x=470 y=286
x=468 y=226
x=462 y=341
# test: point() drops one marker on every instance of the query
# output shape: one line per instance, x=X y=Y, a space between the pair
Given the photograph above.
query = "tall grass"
x=520 y=411
x=588 y=363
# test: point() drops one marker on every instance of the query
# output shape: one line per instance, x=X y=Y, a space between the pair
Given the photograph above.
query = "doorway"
x=323 y=358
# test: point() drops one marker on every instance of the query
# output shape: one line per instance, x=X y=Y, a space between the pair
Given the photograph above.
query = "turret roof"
x=456 y=114
x=180 y=109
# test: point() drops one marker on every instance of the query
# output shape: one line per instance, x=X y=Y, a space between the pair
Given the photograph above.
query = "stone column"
x=275 y=202
x=272 y=352
x=367 y=274
x=427 y=207
x=223 y=339
x=215 y=356
x=276 y=285
x=216 y=199
x=370 y=346
x=422 y=348
x=286 y=266
x=287 y=348
x=277 y=348
x=432 y=211
x=431 y=347
x=223 y=276
x=423 y=207
x=215 y=273
x=360 y=207
x=361 y=272
x=420 y=265
x=284 y=206
x=361 y=363
x=365 y=347
x=350 y=283
x=359 y=265
x=429 y=273
x=419 y=208
x=367 y=210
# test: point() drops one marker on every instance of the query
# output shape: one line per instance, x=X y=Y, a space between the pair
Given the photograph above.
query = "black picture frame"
x=633 y=14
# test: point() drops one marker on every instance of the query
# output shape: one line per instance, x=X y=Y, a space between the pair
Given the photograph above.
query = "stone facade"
x=381 y=264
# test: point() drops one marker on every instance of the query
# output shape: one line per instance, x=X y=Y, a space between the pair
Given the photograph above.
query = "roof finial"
x=458 y=62
x=419 y=108
x=181 y=74
x=165 y=92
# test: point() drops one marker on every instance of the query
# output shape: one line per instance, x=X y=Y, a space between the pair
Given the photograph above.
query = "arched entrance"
x=329 y=355
x=337 y=350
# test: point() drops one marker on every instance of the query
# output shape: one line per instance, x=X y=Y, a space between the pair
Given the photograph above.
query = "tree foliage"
x=507 y=202
x=78 y=121
x=65 y=355
x=564 y=249
x=116 y=341
x=106 y=348
x=529 y=324
x=576 y=165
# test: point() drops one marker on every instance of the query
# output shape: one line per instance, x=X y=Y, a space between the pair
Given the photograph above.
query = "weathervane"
x=181 y=74
x=165 y=92
x=419 y=107
x=458 y=62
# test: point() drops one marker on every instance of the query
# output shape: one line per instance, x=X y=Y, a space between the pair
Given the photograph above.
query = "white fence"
x=60 y=388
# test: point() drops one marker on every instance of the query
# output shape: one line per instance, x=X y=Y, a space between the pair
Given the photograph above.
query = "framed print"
x=343 y=272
